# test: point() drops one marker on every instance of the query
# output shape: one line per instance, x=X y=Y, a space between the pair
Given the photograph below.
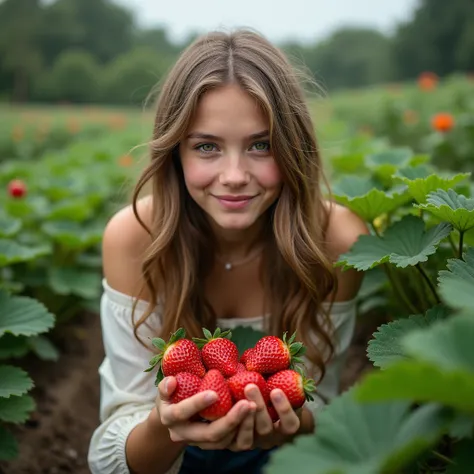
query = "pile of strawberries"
x=214 y=363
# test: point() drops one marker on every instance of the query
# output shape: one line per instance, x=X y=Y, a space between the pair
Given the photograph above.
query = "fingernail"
x=210 y=397
x=278 y=396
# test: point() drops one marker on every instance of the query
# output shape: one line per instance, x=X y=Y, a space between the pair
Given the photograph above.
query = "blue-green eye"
x=262 y=146
x=210 y=147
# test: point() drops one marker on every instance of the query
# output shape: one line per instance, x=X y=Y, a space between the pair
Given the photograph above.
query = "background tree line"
x=93 y=51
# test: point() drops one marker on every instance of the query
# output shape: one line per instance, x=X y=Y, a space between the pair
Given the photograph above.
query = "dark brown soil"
x=56 y=438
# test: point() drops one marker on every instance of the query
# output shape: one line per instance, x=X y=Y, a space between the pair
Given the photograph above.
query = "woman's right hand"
x=218 y=434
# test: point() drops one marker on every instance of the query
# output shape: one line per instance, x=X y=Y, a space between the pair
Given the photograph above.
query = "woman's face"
x=228 y=166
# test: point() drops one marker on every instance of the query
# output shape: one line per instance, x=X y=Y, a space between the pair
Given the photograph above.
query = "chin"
x=234 y=222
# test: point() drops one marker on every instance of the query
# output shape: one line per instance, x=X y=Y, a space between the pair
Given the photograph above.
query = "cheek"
x=270 y=176
x=196 y=175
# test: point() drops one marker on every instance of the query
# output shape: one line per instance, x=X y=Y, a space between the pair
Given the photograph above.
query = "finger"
x=263 y=422
x=173 y=413
x=217 y=430
x=166 y=388
x=244 y=438
x=289 y=420
x=223 y=444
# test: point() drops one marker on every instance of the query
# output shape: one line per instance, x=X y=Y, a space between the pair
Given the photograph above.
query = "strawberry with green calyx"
x=177 y=355
x=218 y=351
x=187 y=385
x=294 y=385
x=239 y=381
x=215 y=381
x=272 y=354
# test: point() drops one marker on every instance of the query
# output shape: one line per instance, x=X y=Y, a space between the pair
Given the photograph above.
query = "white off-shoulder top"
x=128 y=393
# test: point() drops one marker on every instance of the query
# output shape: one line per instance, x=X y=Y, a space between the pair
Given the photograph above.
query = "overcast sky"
x=277 y=19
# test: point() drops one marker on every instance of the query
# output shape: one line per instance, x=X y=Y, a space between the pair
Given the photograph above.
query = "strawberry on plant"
x=16 y=188
x=294 y=385
x=177 y=355
x=214 y=380
x=218 y=351
x=272 y=354
x=238 y=382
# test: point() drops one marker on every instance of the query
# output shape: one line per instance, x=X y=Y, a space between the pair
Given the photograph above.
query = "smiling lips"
x=234 y=202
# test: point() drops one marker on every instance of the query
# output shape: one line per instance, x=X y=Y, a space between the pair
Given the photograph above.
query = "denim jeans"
x=197 y=461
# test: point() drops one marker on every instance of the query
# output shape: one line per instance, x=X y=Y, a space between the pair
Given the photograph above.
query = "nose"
x=234 y=172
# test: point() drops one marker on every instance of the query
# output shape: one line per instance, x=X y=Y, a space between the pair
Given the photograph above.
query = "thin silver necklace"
x=230 y=265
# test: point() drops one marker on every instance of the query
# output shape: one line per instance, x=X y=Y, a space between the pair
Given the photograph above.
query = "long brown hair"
x=297 y=272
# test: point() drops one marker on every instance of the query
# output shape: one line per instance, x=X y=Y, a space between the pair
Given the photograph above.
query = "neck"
x=238 y=245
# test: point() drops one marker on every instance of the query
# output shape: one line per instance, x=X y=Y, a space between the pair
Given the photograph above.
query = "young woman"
x=236 y=231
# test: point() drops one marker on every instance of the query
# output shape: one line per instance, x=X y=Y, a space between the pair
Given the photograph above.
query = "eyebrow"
x=207 y=136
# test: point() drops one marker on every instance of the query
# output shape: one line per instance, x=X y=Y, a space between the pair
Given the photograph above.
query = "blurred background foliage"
x=93 y=51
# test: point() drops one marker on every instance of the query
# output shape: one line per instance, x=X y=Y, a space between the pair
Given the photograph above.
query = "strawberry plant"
x=414 y=412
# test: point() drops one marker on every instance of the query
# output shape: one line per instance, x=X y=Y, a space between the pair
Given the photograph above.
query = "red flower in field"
x=16 y=188
x=442 y=122
x=427 y=81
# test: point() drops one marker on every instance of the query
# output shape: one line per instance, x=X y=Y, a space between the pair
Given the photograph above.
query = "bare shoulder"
x=344 y=228
x=123 y=245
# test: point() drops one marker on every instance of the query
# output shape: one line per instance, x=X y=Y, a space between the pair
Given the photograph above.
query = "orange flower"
x=410 y=117
x=427 y=81
x=73 y=125
x=117 y=122
x=125 y=161
x=18 y=133
x=442 y=122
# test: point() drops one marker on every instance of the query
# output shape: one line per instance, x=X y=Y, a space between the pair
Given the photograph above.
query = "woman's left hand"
x=266 y=434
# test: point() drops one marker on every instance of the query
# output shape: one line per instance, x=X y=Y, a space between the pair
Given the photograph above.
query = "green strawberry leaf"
x=421 y=382
x=455 y=285
x=13 y=381
x=159 y=377
x=404 y=243
x=245 y=337
x=354 y=186
x=43 y=348
x=16 y=409
x=385 y=163
x=420 y=187
x=451 y=207
x=386 y=347
x=375 y=202
x=448 y=344
x=179 y=334
x=8 y=445
x=13 y=346
x=351 y=439
x=9 y=226
x=153 y=362
x=349 y=163
x=75 y=281
x=462 y=460
x=12 y=252
x=414 y=172
x=443 y=359
x=159 y=343
x=207 y=334
x=20 y=315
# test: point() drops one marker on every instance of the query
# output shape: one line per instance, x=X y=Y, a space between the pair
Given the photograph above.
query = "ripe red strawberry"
x=238 y=382
x=241 y=368
x=294 y=385
x=244 y=356
x=272 y=354
x=186 y=386
x=178 y=355
x=16 y=188
x=273 y=413
x=218 y=352
x=214 y=380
